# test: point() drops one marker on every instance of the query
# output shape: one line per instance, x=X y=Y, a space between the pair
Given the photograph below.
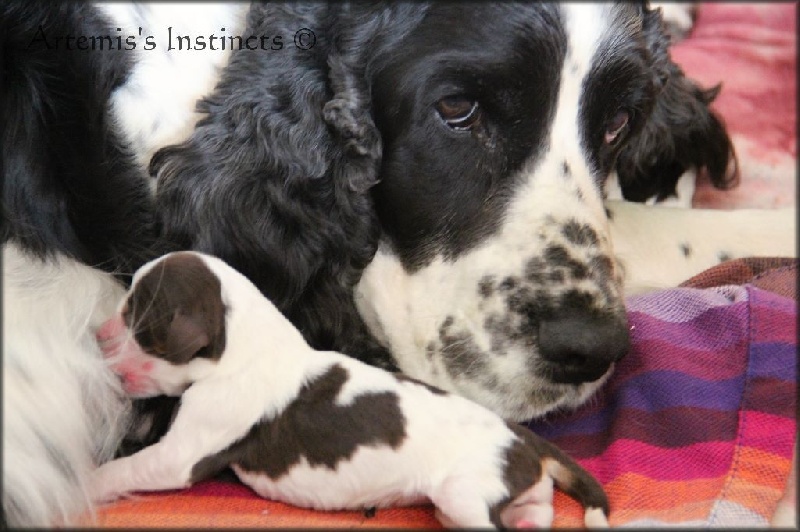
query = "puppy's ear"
x=681 y=133
x=274 y=178
x=186 y=338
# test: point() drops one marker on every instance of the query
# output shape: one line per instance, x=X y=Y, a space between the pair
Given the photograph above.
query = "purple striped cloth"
x=696 y=426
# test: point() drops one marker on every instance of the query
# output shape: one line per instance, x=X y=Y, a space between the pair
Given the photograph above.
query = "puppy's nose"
x=582 y=345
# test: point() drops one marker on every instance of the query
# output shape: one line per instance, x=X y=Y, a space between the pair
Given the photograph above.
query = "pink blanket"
x=751 y=48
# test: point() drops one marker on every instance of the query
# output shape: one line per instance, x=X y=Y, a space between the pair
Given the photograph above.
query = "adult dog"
x=419 y=186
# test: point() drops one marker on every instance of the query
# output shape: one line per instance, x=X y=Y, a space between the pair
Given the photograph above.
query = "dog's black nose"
x=581 y=346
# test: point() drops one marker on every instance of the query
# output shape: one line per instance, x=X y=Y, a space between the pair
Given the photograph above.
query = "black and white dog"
x=419 y=186
x=312 y=428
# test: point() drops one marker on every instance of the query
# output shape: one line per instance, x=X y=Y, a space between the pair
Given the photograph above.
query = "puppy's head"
x=171 y=328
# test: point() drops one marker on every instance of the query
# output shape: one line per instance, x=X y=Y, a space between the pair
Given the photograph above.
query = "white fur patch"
x=678 y=17
x=63 y=409
x=660 y=247
x=595 y=518
x=156 y=106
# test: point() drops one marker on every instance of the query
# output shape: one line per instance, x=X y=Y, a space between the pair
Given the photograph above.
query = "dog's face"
x=496 y=276
x=171 y=327
x=439 y=178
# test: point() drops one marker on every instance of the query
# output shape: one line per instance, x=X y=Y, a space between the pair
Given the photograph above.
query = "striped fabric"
x=695 y=428
x=698 y=423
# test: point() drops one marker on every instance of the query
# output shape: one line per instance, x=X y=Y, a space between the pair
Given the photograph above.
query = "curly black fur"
x=274 y=178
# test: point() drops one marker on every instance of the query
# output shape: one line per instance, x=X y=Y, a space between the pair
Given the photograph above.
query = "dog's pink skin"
x=111 y=334
x=116 y=340
x=130 y=362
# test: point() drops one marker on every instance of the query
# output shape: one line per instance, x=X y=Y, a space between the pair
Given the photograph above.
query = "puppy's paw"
x=104 y=484
x=596 y=518
x=528 y=515
x=444 y=520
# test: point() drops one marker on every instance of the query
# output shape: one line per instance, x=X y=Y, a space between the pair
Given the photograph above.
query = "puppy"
x=312 y=428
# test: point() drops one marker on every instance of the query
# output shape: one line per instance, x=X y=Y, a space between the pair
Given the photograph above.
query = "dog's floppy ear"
x=682 y=131
x=274 y=178
x=348 y=113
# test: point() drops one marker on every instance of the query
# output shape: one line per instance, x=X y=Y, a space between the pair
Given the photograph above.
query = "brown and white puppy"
x=312 y=428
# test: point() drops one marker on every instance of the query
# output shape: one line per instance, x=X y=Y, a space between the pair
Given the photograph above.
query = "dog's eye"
x=458 y=112
x=617 y=127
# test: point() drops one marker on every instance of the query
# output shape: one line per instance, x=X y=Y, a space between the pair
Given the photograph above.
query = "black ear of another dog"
x=681 y=133
x=274 y=178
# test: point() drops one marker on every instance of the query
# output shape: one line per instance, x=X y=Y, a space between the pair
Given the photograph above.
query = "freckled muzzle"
x=581 y=324
x=573 y=337
x=541 y=327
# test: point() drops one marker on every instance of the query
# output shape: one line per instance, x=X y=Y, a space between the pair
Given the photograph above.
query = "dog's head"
x=171 y=327
x=423 y=188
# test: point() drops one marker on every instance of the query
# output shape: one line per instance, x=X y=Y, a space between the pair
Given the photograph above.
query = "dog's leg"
x=660 y=247
x=532 y=509
x=203 y=427
x=158 y=467
x=460 y=503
